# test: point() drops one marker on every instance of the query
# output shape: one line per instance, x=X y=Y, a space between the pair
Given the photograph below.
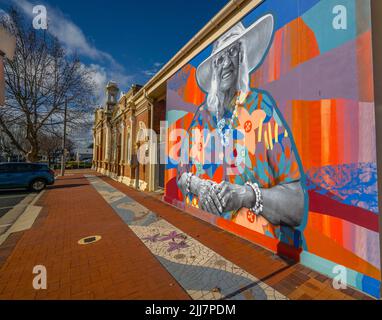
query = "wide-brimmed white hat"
x=257 y=36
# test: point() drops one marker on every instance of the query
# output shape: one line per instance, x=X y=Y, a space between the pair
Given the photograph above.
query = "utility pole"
x=63 y=157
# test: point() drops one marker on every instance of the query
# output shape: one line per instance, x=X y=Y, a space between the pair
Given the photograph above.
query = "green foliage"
x=78 y=165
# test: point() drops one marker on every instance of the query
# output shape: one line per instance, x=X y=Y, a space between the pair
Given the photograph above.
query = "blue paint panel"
x=201 y=56
x=171 y=163
x=305 y=5
x=360 y=189
x=371 y=286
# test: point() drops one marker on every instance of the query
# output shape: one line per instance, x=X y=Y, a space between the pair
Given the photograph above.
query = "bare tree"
x=51 y=146
x=38 y=81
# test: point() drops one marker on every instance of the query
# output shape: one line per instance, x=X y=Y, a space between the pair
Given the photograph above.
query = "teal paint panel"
x=175 y=115
x=320 y=19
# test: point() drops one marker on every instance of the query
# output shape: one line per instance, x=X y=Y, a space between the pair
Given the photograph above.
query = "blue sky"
x=127 y=41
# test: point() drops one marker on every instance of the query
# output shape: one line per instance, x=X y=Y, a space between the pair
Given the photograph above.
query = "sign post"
x=63 y=157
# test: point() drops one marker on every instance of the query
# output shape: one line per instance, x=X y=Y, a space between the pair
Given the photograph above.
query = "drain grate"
x=89 y=239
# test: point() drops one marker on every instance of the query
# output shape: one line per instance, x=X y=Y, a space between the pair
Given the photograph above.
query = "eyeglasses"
x=231 y=52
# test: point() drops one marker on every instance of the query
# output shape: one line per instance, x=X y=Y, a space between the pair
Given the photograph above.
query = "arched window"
x=141 y=142
x=141 y=135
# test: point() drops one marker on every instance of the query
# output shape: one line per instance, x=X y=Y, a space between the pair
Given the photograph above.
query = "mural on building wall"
x=283 y=102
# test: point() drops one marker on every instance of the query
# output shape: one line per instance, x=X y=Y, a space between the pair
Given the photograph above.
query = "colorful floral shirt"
x=260 y=151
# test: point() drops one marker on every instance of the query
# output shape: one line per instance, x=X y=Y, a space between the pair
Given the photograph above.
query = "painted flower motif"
x=246 y=218
x=153 y=238
x=248 y=125
x=172 y=236
x=177 y=245
x=250 y=216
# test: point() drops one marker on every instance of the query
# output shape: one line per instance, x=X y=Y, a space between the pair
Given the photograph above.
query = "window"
x=24 y=167
x=40 y=167
x=12 y=168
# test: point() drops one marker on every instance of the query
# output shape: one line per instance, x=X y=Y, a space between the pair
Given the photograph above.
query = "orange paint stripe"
x=326 y=248
x=259 y=101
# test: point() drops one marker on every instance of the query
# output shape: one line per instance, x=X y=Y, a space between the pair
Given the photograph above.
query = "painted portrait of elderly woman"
x=239 y=160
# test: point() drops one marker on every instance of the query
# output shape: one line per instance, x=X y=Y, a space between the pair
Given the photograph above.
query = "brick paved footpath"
x=120 y=266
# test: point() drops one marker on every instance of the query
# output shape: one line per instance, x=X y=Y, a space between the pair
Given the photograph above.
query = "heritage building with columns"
x=121 y=137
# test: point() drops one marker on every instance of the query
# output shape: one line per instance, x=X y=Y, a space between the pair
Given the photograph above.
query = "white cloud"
x=74 y=40
x=152 y=71
x=67 y=32
x=101 y=76
x=149 y=73
x=100 y=79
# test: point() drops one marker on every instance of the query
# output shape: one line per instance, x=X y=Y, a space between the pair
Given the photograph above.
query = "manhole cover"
x=89 y=240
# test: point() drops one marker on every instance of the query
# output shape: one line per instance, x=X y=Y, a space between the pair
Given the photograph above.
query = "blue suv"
x=34 y=176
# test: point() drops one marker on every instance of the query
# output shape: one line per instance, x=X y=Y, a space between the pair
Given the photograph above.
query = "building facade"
x=122 y=135
x=306 y=118
x=7 y=49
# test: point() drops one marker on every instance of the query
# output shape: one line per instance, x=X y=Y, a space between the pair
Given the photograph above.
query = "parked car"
x=34 y=176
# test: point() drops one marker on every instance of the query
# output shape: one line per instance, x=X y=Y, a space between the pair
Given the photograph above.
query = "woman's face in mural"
x=226 y=67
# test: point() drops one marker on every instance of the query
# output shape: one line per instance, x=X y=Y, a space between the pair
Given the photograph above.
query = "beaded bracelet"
x=258 y=207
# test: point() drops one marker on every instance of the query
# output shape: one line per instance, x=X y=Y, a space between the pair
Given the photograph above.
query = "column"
x=107 y=142
x=123 y=157
x=94 y=146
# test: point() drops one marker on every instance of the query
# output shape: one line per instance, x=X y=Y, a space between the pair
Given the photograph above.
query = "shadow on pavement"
x=70 y=178
x=64 y=186
x=12 y=192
